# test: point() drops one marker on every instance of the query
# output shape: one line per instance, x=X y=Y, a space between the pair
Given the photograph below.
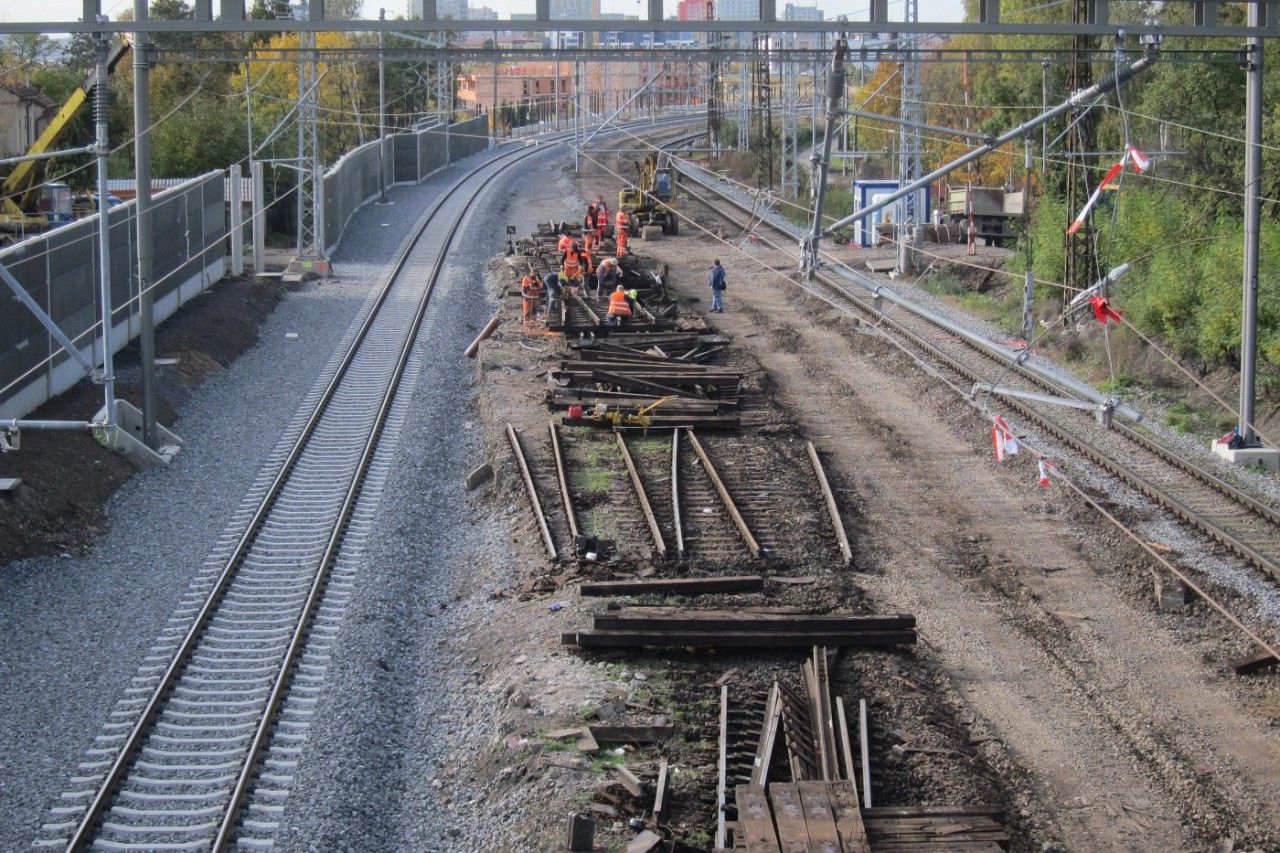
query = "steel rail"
x=562 y=480
x=727 y=499
x=636 y=483
x=675 y=492
x=1054 y=427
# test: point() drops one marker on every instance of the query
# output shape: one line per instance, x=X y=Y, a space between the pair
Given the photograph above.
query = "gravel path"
x=73 y=630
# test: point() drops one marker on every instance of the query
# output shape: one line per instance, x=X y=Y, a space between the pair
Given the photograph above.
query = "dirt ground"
x=1045 y=675
x=1131 y=734
x=67 y=477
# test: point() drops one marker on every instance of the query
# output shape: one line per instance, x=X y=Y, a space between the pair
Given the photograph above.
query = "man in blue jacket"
x=716 y=280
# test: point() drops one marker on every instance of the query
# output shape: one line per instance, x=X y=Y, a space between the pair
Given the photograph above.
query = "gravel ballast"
x=74 y=630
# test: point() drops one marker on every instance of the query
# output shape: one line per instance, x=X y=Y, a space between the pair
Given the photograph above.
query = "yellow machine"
x=641 y=418
x=28 y=204
x=652 y=201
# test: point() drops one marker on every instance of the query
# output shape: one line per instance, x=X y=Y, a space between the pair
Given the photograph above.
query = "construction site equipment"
x=641 y=418
x=652 y=201
x=995 y=212
x=28 y=204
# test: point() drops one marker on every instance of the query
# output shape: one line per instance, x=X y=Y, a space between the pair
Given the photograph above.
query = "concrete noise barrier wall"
x=60 y=271
x=353 y=180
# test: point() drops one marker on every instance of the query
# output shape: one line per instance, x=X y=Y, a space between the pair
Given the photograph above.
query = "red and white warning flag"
x=1093 y=199
x=1141 y=162
x=1044 y=474
x=1003 y=440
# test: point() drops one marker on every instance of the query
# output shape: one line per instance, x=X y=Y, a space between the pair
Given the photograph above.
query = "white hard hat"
x=613 y=262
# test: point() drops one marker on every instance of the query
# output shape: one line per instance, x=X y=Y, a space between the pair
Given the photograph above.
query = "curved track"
x=1245 y=523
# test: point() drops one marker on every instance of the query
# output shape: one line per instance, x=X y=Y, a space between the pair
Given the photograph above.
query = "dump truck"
x=652 y=201
x=996 y=213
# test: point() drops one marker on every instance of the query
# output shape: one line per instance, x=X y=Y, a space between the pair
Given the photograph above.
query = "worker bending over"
x=619 y=309
x=563 y=242
x=607 y=275
x=553 y=281
x=621 y=231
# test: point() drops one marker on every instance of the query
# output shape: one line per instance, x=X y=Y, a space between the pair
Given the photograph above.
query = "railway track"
x=200 y=753
x=1245 y=523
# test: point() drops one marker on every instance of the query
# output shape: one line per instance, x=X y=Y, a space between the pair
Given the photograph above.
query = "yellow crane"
x=27 y=203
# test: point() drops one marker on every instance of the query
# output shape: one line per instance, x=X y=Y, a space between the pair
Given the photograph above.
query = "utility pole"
x=310 y=219
x=1029 y=284
x=1079 y=260
x=145 y=232
x=382 y=111
x=835 y=92
x=911 y=208
x=1252 y=220
x=102 y=148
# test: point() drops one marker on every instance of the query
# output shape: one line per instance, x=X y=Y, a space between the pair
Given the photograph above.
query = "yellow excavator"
x=27 y=203
x=652 y=201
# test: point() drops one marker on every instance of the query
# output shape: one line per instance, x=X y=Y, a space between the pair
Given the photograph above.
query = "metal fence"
x=60 y=271
x=353 y=180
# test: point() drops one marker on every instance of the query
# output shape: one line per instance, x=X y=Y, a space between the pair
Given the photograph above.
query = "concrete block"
x=1267 y=457
x=479 y=476
x=582 y=833
x=1172 y=595
x=651 y=232
x=10 y=484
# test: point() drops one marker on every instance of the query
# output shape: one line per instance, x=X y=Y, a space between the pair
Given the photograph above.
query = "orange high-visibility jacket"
x=563 y=245
x=618 y=306
x=622 y=220
x=572 y=263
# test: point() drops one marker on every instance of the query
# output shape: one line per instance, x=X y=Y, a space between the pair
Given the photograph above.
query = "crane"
x=27 y=203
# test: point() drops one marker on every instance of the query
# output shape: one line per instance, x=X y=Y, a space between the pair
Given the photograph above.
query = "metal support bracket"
x=1102 y=411
x=47 y=321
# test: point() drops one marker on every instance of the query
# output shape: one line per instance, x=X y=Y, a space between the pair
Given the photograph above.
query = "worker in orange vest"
x=563 y=243
x=602 y=219
x=589 y=241
x=621 y=231
x=571 y=263
x=607 y=275
x=530 y=294
x=619 y=308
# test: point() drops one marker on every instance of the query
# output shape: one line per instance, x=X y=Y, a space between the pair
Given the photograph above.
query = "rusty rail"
x=842 y=538
x=725 y=497
x=642 y=496
x=532 y=491
x=562 y=479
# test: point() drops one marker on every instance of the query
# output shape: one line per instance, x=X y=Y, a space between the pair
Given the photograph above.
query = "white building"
x=455 y=9
x=802 y=13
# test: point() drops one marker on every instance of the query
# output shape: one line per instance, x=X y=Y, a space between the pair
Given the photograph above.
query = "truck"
x=996 y=213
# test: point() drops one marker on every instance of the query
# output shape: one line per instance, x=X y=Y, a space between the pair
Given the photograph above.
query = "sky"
x=70 y=10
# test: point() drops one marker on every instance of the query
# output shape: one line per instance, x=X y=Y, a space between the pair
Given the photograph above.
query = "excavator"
x=652 y=201
x=27 y=203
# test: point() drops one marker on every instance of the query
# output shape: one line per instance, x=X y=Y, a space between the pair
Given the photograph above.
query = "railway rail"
x=1182 y=486
x=200 y=753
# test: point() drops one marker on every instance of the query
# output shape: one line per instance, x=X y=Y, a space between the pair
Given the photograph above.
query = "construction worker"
x=716 y=279
x=589 y=221
x=633 y=299
x=607 y=275
x=621 y=231
x=619 y=309
x=589 y=241
x=602 y=219
x=553 y=282
x=571 y=263
x=530 y=294
x=563 y=243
